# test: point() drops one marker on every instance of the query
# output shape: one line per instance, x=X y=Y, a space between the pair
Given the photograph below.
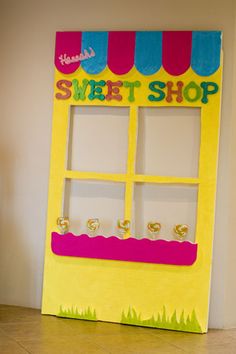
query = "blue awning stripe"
x=206 y=48
x=98 y=41
x=148 y=52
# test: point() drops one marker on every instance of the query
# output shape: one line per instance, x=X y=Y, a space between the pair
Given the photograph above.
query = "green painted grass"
x=72 y=312
x=188 y=324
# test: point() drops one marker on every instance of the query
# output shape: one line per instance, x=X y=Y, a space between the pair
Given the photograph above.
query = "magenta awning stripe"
x=68 y=46
x=121 y=48
x=176 y=51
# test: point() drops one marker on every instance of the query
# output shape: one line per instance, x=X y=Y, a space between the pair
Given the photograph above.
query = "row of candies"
x=180 y=231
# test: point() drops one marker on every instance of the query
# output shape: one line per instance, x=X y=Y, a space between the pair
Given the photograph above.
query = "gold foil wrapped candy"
x=123 y=226
x=180 y=231
x=154 y=228
x=93 y=225
x=63 y=224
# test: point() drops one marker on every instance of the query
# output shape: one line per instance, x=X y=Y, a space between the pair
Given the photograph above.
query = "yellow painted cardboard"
x=111 y=288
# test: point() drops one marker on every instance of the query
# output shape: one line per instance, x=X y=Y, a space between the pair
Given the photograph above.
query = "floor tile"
x=214 y=349
x=135 y=344
x=45 y=327
x=229 y=332
x=103 y=328
x=190 y=342
x=59 y=346
x=11 y=347
x=25 y=331
x=10 y=314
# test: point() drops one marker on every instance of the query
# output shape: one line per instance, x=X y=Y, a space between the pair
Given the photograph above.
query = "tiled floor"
x=24 y=331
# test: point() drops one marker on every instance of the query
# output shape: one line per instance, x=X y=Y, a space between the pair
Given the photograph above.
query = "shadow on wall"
x=15 y=270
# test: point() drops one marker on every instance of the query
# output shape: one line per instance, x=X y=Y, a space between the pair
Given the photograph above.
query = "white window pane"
x=168 y=141
x=98 y=139
x=167 y=204
x=85 y=200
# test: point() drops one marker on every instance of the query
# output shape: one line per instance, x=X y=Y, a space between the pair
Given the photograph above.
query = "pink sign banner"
x=132 y=250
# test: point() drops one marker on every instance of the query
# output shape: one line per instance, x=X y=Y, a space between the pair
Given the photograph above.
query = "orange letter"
x=113 y=88
x=60 y=86
x=177 y=92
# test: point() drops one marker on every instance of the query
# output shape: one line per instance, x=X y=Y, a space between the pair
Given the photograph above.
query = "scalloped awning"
x=148 y=51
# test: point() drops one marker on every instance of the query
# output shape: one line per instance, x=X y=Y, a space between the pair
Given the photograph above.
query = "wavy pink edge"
x=131 y=249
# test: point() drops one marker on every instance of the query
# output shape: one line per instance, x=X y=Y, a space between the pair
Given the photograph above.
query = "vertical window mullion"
x=132 y=136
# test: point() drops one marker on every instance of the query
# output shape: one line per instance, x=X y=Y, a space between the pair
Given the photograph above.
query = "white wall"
x=27 y=32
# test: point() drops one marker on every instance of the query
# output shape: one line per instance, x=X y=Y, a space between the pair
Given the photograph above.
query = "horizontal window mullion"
x=165 y=179
x=114 y=177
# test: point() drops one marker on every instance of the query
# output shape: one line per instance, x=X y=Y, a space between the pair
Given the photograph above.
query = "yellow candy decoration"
x=181 y=231
x=63 y=224
x=93 y=225
x=123 y=226
x=154 y=228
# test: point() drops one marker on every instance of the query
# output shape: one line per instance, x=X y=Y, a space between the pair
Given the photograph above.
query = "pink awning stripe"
x=121 y=49
x=68 y=44
x=177 y=47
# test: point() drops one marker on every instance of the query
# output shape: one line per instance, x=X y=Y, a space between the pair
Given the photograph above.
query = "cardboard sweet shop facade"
x=146 y=280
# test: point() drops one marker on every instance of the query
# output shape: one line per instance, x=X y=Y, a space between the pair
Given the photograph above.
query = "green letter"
x=153 y=88
x=96 y=92
x=192 y=86
x=206 y=91
x=79 y=90
x=131 y=86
